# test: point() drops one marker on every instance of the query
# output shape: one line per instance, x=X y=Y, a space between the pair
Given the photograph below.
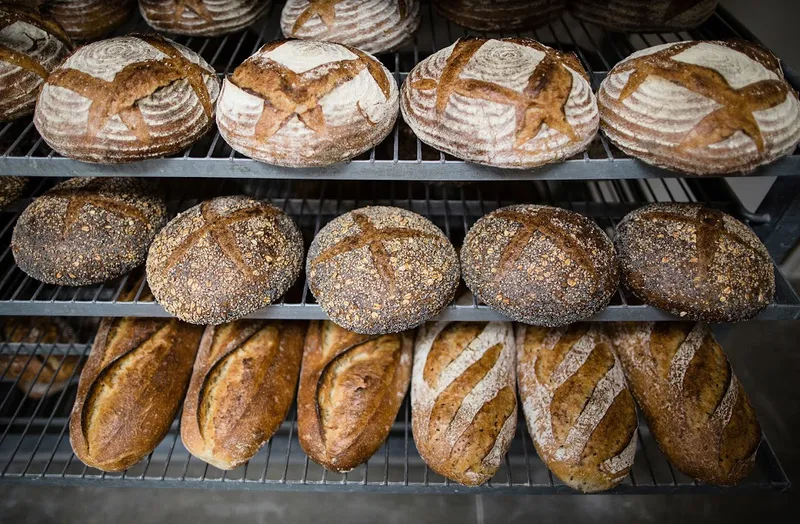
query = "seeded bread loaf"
x=11 y=188
x=579 y=410
x=202 y=17
x=644 y=16
x=695 y=407
x=500 y=15
x=86 y=20
x=242 y=386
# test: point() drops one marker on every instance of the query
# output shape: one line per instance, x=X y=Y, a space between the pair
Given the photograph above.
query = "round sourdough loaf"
x=540 y=265
x=701 y=107
x=31 y=46
x=500 y=15
x=223 y=259
x=10 y=189
x=644 y=15
x=374 y=26
x=300 y=103
x=87 y=230
x=699 y=263
x=202 y=17
x=381 y=269
x=126 y=99
x=507 y=103
x=85 y=20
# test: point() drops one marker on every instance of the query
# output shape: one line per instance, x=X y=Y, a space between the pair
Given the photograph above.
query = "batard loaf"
x=202 y=17
x=644 y=16
x=86 y=20
x=500 y=15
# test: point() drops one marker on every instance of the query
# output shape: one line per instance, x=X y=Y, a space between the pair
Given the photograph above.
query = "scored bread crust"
x=202 y=17
x=695 y=407
x=85 y=20
x=644 y=15
x=374 y=26
x=351 y=389
x=512 y=102
x=500 y=15
x=463 y=398
x=701 y=107
x=241 y=389
x=579 y=410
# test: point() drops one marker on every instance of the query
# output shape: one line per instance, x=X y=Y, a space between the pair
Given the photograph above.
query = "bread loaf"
x=126 y=99
x=202 y=17
x=500 y=15
x=705 y=108
x=351 y=388
x=299 y=103
x=644 y=16
x=511 y=103
x=242 y=386
x=224 y=259
x=540 y=265
x=695 y=407
x=373 y=26
x=86 y=20
x=579 y=410
x=463 y=398
x=695 y=262
x=31 y=46
x=11 y=188
x=381 y=270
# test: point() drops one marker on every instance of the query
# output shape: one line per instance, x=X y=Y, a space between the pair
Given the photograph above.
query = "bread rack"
x=602 y=183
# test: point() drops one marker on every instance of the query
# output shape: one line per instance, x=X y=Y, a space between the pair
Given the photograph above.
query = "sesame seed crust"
x=695 y=262
x=88 y=230
x=382 y=269
x=223 y=259
x=540 y=265
x=10 y=189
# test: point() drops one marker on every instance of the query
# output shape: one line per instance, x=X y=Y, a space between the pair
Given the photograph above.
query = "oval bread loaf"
x=86 y=20
x=644 y=16
x=202 y=17
x=500 y=15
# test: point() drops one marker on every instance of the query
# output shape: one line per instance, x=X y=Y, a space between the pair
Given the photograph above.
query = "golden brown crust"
x=351 y=388
x=242 y=386
x=202 y=18
x=86 y=20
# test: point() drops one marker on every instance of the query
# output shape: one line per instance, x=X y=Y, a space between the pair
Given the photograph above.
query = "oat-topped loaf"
x=374 y=26
x=85 y=20
x=88 y=230
x=510 y=103
x=224 y=259
x=701 y=107
x=31 y=46
x=500 y=15
x=300 y=103
x=382 y=270
x=126 y=99
x=202 y=17
x=11 y=188
x=696 y=262
x=644 y=15
x=540 y=265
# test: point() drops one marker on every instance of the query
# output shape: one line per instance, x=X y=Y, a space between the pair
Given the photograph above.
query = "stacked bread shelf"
x=602 y=183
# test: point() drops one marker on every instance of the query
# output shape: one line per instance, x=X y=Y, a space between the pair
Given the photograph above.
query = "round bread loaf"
x=644 y=15
x=373 y=26
x=126 y=99
x=507 y=103
x=704 y=108
x=31 y=46
x=380 y=269
x=540 y=265
x=224 y=259
x=500 y=15
x=87 y=230
x=85 y=20
x=202 y=17
x=10 y=189
x=299 y=103
x=695 y=262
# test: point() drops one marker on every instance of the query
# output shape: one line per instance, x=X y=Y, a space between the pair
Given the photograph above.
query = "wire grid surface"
x=400 y=156
x=453 y=208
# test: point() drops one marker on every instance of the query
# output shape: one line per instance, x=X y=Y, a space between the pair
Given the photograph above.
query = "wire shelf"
x=401 y=156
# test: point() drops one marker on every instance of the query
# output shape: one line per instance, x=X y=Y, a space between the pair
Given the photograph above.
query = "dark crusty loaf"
x=381 y=270
x=697 y=410
x=31 y=46
x=540 y=265
x=85 y=20
x=351 y=388
x=224 y=259
x=500 y=15
x=696 y=262
x=641 y=16
x=11 y=188
x=242 y=386
x=463 y=398
x=202 y=17
x=88 y=230
x=579 y=410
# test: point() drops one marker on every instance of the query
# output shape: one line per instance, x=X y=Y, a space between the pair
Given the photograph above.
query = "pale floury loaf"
x=500 y=15
x=374 y=26
x=644 y=15
x=300 y=103
x=463 y=398
x=701 y=107
x=511 y=103
x=31 y=46
x=127 y=98
x=85 y=20
x=202 y=17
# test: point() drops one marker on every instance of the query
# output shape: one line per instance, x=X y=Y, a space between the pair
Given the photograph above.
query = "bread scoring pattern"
x=644 y=15
x=202 y=17
x=86 y=20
